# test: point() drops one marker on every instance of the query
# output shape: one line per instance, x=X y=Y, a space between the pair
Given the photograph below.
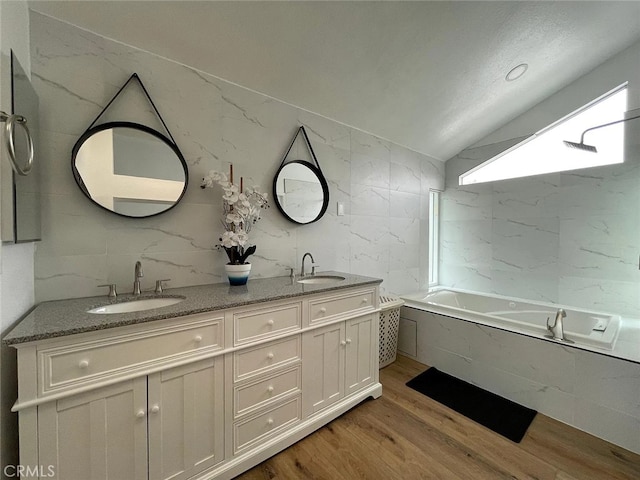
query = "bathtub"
x=583 y=327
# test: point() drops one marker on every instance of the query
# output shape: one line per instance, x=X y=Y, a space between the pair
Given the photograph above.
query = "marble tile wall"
x=384 y=187
x=570 y=238
x=592 y=392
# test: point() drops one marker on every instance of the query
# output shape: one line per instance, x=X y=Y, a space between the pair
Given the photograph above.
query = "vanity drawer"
x=64 y=366
x=253 y=361
x=333 y=307
x=262 y=393
x=252 y=325
x=275 y=420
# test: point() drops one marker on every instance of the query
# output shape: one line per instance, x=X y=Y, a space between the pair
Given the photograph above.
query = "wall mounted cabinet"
x=20 y=177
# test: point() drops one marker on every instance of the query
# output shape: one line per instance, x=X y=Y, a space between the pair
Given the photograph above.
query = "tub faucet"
x=313 y=264
x=556 y=329
x=136 y=281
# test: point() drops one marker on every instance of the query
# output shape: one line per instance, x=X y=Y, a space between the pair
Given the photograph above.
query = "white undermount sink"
x=319 y=279
x=136 y=305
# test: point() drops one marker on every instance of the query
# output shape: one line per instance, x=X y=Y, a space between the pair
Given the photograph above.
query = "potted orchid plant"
x=241 y=209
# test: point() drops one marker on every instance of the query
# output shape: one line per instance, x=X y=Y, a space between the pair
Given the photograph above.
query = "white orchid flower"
x=242 y=238
x=234 y=218
x=218 y=176
x=230 y=196
x=228 y=239
x=243 y=210
x=240 y=211
x=207 y=182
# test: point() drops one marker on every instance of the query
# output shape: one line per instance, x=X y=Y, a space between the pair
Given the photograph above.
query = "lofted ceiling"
x=429 y=75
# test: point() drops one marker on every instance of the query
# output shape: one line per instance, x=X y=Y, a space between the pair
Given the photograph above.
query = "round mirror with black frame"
x=300 y=192
x=129 y=169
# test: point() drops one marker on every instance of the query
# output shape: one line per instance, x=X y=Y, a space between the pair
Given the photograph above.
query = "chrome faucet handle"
x=158 y=289
x=138 y=270
x=112 y=289
x=292 y=273
x=313 y=268
x=308 y=254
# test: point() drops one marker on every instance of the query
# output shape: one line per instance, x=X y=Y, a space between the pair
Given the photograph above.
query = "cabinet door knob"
x=343 y=343
x=140 y=414
x=270 y=355
x=155 y=409
x=323 y=310
x=348 y=341
x=197 y=338
x=270 y=322
x=270 y=422
x=365 y=300
x=83 y=364
x=270 y=389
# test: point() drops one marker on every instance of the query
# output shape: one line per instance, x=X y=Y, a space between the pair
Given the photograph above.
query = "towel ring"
x=11 y=121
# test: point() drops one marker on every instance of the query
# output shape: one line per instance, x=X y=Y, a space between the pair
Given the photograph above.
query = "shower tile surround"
x=568 y=238
x=384 y=187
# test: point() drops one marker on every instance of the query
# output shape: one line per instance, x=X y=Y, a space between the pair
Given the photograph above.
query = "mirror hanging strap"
x=136 y=77
x=309 y=147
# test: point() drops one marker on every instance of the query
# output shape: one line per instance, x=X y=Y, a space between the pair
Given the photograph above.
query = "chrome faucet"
x=136 y=281
x=313 y=264
x=557 y=331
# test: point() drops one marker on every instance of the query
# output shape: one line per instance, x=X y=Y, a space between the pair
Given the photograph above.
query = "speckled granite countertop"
x=65 y=317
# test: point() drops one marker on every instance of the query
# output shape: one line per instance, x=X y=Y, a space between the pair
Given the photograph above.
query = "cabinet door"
x=186 y=430
x=322 y=367
x=360 y=353
x=98 y=435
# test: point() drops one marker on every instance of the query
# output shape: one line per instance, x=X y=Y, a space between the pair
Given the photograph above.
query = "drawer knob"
x=155 y=409
x=348 y=341
x=323 y=310
x=140 y=414
x=343 y=343
x=270 y=422
x=270 y=322
x=83 y=364
x=270 y=355
x=197 y=338
x=365 y=300
x=270 y=389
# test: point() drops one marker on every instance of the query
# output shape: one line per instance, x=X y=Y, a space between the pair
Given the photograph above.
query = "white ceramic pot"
x=238 y=274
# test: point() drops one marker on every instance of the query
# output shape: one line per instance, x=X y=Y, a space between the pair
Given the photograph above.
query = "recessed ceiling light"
x=516 y=72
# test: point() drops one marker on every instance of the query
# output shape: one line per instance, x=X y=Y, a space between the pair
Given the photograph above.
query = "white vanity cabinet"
x=339 y=361
x=186 y=419
x=267 y=379
x=100 y=434
x=165 y=422
x=166 y=425
x=200 y=396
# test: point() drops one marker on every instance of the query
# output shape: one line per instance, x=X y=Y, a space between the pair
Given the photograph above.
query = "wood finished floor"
x=406 y=435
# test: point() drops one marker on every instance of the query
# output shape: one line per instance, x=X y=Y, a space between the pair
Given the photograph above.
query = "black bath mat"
x=503 y=416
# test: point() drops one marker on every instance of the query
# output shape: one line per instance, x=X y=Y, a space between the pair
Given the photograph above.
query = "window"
x=434 y=226
x=545 y=151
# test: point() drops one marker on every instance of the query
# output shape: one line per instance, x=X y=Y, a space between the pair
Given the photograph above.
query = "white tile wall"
x=384 y=187
x=592 y=392
x=569 y=238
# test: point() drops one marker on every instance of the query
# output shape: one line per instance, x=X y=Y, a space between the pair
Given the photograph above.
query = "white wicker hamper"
x=389 y=325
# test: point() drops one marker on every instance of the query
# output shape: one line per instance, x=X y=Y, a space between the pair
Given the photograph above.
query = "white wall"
x=383 y=186
x=16 y=261
x=571 y=238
